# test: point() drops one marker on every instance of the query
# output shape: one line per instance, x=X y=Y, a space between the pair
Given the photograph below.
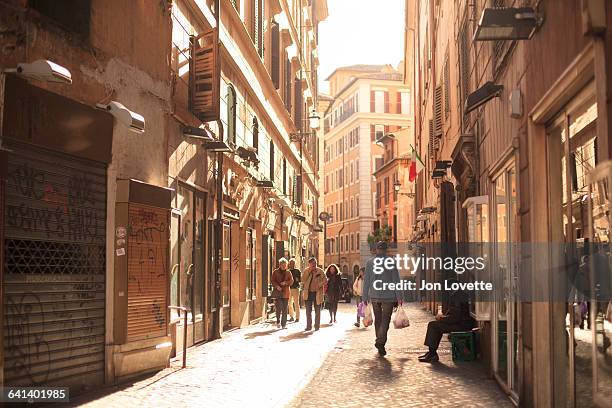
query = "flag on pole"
x=416 y=166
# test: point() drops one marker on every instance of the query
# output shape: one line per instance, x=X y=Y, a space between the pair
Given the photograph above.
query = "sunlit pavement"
x=354 y=376
x=335 y=366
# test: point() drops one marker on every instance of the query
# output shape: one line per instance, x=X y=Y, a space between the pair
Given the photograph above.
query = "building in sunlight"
x=369 y=102
x=511 y=120
x=152 y=173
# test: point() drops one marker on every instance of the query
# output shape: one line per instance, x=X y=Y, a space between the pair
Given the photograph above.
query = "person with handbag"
x=314 y=281
x=383 y=301
x=281 y=282
x=357 y=291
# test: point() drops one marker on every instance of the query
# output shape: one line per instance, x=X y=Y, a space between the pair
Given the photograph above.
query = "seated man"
x=457 y=318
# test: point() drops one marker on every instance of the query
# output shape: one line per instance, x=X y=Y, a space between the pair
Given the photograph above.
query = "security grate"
x=24 y=257
x=54 y=269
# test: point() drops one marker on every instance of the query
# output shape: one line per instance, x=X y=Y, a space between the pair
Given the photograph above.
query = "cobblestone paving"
x=353 y=375
x=244 y=368
x=261 y=366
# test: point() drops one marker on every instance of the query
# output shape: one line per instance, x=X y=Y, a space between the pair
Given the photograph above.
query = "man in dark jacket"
x=457 y=318
x=383 y=300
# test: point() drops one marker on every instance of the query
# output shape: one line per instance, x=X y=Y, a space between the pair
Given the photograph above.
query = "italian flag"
x=416 y=165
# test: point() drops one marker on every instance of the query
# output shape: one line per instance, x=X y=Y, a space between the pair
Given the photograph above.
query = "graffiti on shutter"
x=204 y=76
x=148 y=237
x=54 y=269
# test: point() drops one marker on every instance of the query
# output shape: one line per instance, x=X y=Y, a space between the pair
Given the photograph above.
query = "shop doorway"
x=505 y=261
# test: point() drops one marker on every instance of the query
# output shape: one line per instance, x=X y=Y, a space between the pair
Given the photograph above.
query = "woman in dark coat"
x=334 y=290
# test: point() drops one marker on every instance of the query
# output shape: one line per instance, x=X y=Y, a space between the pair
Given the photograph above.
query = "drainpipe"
x=216 y=324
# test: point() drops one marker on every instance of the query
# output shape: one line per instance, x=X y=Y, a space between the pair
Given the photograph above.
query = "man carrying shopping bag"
x=383 y=301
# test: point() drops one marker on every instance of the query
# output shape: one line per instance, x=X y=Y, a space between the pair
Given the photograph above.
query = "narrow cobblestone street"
x=295 y=370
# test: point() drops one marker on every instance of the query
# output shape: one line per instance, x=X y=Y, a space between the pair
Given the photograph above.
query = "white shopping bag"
x=369 y=318
x=400 y=321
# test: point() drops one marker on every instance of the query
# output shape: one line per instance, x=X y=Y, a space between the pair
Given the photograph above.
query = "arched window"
x=231 y=114
x=255 y=134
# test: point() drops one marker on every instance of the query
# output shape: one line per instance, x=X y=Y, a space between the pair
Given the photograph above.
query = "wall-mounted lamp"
x=42 y=70
x=315 y=119
x=264 y=183
x=134 y=121
x=482 y=95
x=428 y=210
x=397 y=186
x=216 y=146
x=197 y=133
x=507 y=23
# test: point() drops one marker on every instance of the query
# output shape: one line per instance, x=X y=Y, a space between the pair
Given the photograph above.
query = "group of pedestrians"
x=316 y=286
x=313 y=286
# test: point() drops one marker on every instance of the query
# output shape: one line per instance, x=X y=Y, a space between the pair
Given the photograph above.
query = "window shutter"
x=275 y=55
x=372 y=133
x=204 y=76
x=287 y=83
x=431 y=145
x=231 y=114
x=446 y=89
x=298 y=190
x=284 y=175
x=398 y=105
x=298 y=104
x=272 y=163
x=438 y=111
x=387 y=110
x=257 y=15
x=372 y=101
x=255 y=134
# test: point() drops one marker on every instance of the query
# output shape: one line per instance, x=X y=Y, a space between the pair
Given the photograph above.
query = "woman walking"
x=281 y=281
x=334 y=290
x=357 y=291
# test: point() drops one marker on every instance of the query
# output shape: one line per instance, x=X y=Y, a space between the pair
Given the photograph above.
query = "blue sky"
x=360 y=32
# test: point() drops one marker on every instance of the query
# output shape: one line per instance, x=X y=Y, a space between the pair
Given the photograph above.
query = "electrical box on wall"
x=516 y=104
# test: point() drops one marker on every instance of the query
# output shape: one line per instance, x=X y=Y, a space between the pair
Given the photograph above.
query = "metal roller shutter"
x=148 y=243
x=54 y=270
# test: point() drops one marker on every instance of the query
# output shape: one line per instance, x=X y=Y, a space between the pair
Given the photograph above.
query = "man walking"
x=312 y=292
x=281 y=281
x=383 y=300
x=294 y=311
x=457 y=318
